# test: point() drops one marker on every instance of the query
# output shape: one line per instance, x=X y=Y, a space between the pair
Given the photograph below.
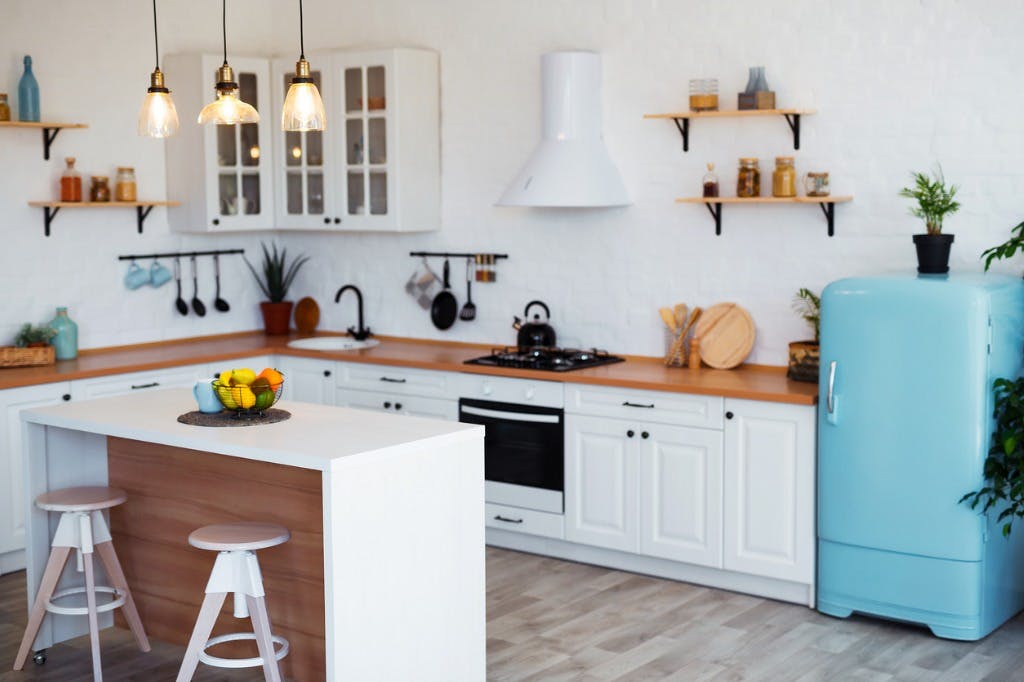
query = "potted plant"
x=1007 y=248
x=935 y=201
x=805 y=356
x=274 y=279
x=34 y=337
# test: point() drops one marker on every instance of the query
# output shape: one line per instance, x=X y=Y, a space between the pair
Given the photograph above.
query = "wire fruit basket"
x=248 y=401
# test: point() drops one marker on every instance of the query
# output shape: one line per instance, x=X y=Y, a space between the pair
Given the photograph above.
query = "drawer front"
x=396 y=380
x=524 y=521
x=137 y=382
x=504 y=390
x=415 y=406
x=681 y=409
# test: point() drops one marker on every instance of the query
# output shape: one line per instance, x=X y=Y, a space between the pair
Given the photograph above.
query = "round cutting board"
x=726 y=333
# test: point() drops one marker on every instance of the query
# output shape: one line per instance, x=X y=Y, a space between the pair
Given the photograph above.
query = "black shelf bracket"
x=716 y=212
x=49 y=213
x=794 y=124
x=684 y=129
x=49 y=135
x=141 y=213
x=829 y=209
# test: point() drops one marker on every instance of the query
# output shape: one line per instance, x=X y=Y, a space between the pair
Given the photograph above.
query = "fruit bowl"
x=248 y=399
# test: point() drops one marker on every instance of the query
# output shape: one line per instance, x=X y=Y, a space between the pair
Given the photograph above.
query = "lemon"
x=246 y=398
x=244 y=376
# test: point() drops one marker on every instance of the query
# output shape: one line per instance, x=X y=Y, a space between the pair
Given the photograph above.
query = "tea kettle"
x=534 y=333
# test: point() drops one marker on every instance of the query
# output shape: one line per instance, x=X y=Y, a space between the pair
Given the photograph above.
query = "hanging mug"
x=136 y=276
x=816 y=184
x=158 y=275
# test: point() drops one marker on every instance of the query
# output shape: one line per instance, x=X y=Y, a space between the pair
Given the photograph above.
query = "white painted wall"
x=899 y=85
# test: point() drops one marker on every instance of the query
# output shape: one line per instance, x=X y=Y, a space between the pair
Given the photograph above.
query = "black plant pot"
x=933 y=253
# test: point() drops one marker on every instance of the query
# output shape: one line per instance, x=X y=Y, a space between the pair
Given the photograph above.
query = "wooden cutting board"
x=726 y=333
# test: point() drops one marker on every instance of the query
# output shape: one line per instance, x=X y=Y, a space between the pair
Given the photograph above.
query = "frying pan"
x=445 y=308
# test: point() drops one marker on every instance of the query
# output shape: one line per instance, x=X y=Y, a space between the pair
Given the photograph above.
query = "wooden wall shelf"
x=714 y=205
x=682 y=119
x=142 y=209
x=50 y=131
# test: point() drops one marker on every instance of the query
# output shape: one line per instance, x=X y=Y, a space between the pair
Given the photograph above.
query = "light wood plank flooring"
x=555 y=620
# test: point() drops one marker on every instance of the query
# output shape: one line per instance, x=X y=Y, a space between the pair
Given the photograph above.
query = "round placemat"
x=225 y=418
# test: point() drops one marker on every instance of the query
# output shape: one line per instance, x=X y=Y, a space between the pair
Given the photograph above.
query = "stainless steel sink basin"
x=332 y=343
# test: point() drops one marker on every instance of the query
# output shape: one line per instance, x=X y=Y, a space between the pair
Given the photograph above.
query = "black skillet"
x=445 y=308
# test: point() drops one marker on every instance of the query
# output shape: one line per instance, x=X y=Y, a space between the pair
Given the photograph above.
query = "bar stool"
x=82 y=528
x=236 y=570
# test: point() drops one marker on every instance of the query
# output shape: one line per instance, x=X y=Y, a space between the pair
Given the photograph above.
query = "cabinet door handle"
x=327 y=221
x=499 y=517
x=337 y=221
x=729 y=415
x=387 y=404
x=629 y=434
x=216 y=221
x=393 y=381
x=626 y=403
x=66 y=397
x=398 y=406
x=136 y=387
x=645 y=435
x=327 y=372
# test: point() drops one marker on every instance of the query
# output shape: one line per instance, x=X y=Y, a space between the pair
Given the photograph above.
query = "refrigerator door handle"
x=831 y=398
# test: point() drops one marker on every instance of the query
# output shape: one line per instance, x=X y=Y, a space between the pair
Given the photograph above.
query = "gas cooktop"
x=546 y=359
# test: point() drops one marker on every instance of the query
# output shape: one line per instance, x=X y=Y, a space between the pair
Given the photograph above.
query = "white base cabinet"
x=308 y=380
x=397 y=403
x=138 y=382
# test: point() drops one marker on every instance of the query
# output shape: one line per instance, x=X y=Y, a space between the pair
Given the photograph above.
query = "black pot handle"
x=447 y=270
x=542 y=304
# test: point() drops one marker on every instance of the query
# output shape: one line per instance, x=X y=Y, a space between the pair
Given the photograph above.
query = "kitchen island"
x=384 y=575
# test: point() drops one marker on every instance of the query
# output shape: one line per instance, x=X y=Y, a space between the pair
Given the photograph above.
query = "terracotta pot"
x=804 y=358
x=276 y=316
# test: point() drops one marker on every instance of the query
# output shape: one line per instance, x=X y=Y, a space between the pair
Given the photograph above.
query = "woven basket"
x=12 y=356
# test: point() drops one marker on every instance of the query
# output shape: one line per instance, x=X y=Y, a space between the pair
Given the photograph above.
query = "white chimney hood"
x=571 y=166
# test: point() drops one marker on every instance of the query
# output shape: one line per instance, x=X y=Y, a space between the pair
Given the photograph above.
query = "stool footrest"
x=118 y=601
x=218 y=662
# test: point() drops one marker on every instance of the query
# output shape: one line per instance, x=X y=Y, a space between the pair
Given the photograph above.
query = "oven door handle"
x=512 y=416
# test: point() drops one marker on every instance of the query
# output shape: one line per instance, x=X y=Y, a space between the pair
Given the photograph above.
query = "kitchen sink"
x=329 y=343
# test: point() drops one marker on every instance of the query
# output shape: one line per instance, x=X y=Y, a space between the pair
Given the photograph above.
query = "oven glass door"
x=524 y=445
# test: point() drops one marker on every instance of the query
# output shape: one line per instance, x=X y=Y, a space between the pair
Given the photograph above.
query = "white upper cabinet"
x=221 y=174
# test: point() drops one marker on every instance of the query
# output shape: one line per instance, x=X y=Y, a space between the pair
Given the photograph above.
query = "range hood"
x=570 y=167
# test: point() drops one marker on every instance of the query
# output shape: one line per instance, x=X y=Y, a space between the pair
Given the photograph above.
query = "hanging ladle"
x=180 y=302
x=468 y=311
x=197 y=305
x=218 y=302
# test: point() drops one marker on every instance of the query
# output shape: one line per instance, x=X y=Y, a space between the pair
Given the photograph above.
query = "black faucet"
x=362 y=333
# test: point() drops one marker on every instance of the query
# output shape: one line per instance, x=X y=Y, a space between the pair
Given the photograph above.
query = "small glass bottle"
x=100 y=189
x=784 y=177
x=711 y=182
x=5 y=108
x=28 y=94
x=70 y=182
x=124 y=184
x=748 y=181
x=65 y=343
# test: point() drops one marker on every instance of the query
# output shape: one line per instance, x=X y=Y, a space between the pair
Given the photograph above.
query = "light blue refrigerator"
x=905 y=419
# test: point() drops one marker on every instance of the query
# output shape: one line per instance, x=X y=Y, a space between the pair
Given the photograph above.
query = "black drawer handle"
x=327 y=372
x=645 y=435
x=337 y=221
x=629 y=434
x=66 y=397
x=398 y=406
x=729 y=415
x=327 y=221
x=216 y=221
x=136 y=387
x=393 y=381
x=626 y=403
x=499 y=517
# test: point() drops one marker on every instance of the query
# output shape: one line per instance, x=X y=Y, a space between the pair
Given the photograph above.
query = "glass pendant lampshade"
x=227 y=109
x=303 y=106
x=158 y=117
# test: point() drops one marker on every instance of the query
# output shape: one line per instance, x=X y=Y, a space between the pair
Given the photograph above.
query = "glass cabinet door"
x=304 y=182
x=366 y=143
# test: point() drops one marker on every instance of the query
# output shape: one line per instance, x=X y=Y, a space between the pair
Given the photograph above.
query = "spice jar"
x=124 y=185
x=784 y=177
x=817 y=184
x=5 y=108
x=748 y=181
x=704 y=94
x=70 y=182
x=100 y=190
x=711 y=182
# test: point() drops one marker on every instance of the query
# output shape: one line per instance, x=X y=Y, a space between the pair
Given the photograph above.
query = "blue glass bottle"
x=65 y=344
x=28 y=94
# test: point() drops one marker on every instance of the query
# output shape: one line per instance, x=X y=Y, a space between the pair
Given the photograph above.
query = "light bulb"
x=227 y=109
x=158 y=117
x=303 y=107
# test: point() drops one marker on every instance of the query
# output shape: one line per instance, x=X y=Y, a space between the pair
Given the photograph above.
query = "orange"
x=272 y=376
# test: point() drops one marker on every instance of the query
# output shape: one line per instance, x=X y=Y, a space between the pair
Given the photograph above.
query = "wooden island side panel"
x=171 y=492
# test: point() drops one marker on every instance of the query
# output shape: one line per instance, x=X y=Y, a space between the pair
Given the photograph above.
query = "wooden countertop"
x=752 y=382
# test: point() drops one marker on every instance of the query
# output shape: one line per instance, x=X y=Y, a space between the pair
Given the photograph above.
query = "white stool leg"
x=204 y=626
x=261 y=628
x=110 y=562
x=54 y=567
x=90 y=597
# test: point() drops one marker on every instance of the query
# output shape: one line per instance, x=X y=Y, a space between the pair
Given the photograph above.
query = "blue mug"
x=136 y=276
x=158 y=275
x=208 y=401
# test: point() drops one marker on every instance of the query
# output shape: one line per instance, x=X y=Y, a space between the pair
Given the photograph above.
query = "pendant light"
x=227 y=109
x=303 y=106
x=158 y=117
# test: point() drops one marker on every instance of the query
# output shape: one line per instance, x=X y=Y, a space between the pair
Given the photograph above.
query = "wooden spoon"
x=669 y=318
x=689 y=325
x=681 y=311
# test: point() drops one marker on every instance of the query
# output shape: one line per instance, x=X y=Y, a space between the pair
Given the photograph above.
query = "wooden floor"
x=555 y=620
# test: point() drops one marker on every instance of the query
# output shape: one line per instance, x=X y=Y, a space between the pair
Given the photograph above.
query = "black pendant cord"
x=224 y=27
x=156 y=38
x=302 y=37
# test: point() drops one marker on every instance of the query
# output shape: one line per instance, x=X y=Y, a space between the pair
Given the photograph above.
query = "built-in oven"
x=524 y=452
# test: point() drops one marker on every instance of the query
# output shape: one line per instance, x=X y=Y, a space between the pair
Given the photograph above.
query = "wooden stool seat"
x=241 y=536
x=87 y=498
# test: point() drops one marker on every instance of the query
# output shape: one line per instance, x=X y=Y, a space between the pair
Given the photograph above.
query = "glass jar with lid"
x=5 y=108
x=124 y=184
x=748 y=180
x=711 y=182
x=784 y=177
x=70 y=182
x=704 y=94
x=100 y=189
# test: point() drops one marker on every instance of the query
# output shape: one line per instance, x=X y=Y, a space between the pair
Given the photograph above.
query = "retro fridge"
x=904 y=426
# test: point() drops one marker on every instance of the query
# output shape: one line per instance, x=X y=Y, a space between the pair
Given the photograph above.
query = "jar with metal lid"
x=5 y=108
x=124 y=185
x=784 y=177
x=100 y=189
x=748 y=181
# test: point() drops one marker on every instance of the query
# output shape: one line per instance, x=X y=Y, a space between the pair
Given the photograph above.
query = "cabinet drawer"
x=415 y=406
x=397 y=380
x=504 y=390
x=524 y=521
x=682 y=409
x=137 y=382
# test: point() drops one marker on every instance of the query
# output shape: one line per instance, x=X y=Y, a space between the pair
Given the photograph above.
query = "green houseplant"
x=33 y=337
x=935 y=202
x=275 y=278
x=805 y=356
